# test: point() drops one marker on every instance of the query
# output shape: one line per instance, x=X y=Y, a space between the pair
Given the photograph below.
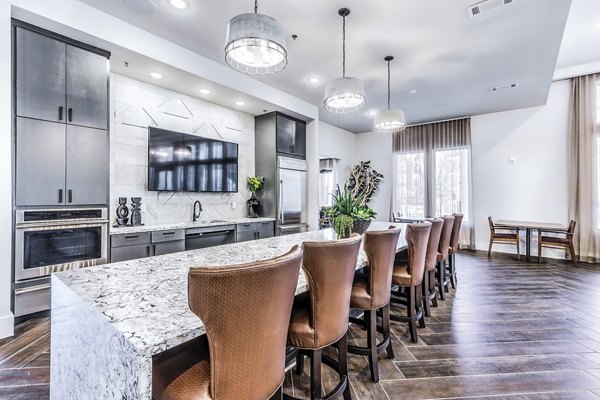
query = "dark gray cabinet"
x=40 y=163
x=210 y=236
x=59 y=82
x=87 y=83
x=87 y=172
x=62 y=143
x=40 y=76
x=291 y=136
x=58 y=164
x=254 y=230
x=124 y=247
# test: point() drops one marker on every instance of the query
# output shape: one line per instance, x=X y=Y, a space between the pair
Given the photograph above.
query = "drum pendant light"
x=255 y=44
x=344 y=95
x=390 y=120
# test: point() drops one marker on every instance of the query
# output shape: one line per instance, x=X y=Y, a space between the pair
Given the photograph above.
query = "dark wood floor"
x=512 y=330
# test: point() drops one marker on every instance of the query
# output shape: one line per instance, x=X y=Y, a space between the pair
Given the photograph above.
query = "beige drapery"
x=452 y=134
x=582 y=135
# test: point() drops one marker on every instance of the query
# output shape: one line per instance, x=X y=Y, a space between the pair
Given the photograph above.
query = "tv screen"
x=179 y=162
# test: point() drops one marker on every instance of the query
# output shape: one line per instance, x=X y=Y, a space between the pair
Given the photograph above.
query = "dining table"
x=529 y=226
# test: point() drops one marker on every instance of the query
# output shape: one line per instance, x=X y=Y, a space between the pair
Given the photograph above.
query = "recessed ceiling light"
x=372 y=112
x=314 y=79
x=412 y=92
x=205 y=91
x=179 y=4
x=239 y=103
x=156 y=75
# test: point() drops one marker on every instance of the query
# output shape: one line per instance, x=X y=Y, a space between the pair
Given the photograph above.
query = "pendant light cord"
x=255 y=6
x=389 y=90
x=344 y=47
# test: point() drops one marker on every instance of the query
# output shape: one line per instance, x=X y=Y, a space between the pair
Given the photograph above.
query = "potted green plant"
x=347 y=215
x=362 y=183
x=254 y=183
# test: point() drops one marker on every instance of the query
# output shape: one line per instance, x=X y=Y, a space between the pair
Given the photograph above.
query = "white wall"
x=377 y=147
x=6 y=317
x=135 y=106
x=337 y=143
x=534 y=188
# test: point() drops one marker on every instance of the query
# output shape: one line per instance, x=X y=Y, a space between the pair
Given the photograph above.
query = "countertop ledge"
x=184 y=225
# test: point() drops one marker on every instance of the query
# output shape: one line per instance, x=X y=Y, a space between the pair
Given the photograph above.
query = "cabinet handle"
x=292 y=149
x=60 y=195
x=70 y=113
x=147 y=251
x=61 y=110
x=131 y=237
x=70 y=194
x=168 y=233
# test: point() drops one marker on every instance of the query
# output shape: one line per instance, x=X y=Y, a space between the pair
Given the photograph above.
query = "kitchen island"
x=109 y=321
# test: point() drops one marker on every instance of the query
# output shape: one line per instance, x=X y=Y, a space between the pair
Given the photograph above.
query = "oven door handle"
x=32 y=289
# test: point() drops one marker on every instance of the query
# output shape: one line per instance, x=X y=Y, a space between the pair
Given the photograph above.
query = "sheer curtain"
x=583 y=153
x=432 y=168
x=328 y=180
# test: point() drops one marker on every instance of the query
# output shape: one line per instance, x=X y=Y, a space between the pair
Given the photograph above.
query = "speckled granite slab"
x=184 y=225
x=140 y=308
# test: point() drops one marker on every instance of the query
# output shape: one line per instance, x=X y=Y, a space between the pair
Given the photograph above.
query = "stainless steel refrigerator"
x=280 y=159
x=291 y=207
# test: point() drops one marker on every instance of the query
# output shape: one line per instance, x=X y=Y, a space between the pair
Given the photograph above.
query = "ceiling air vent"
x=509 y=86
x=486 y=6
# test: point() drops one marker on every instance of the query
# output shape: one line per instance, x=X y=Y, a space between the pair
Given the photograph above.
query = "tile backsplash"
x=134 y=107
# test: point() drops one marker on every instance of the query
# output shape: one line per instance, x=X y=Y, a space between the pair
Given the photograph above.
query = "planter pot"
x=253 y=207
x=360 y=226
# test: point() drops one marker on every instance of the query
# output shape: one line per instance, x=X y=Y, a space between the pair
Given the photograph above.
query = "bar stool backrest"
x=329 y=269
x=380 y=248
x=443 y=249
x=417 y=236
x=246 y=311
x=433 y=243
x=454 y=239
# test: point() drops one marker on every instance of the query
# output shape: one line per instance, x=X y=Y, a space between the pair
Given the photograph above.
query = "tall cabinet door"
x=87 y=166
x=40 y=76
x=40 y=163
x=87 y=88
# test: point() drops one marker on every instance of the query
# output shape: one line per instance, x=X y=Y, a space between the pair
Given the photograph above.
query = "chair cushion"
x=183 y=376
x=301 y=334
x=400 y=276
x=556 y=240
x=360 y=297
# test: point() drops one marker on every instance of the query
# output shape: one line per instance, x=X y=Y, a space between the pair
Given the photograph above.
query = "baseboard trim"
x=7 y=325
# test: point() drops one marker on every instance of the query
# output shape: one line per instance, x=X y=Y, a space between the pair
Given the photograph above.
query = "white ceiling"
x=450 y=59
x=581 y=41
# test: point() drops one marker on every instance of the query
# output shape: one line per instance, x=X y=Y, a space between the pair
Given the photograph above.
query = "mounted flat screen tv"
x=179 y=162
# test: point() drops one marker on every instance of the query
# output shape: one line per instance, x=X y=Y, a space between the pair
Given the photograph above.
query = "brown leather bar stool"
x=246 y=311
x=371 y=292
x=320 y=316
x=443 y=254
x=410 y=276
x=454 y=246
x=430 y=265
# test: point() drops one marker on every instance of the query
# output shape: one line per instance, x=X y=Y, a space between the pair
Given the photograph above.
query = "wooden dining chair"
x=510 y=237
x=558 y=242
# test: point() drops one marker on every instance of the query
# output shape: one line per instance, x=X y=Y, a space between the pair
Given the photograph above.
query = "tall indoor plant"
x=350 y=211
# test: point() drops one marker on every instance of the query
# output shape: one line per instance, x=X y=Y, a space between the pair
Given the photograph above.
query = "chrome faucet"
x=197 y=210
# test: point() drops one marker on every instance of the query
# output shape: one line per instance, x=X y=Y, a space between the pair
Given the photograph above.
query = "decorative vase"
x=122 y=212
x=360 y=226
x=136 y=213
x=253 y=207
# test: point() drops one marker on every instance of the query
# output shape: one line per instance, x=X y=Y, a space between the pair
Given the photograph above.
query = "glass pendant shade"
x=255 y=44
x=390 y=120
x=345 y=95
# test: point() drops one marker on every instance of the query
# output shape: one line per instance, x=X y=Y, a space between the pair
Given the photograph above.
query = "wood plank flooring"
x=512 y=330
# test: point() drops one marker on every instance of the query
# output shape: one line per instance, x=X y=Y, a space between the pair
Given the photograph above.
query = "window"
x=326 y=188
x=452 y=182
x=597 y=183
x=598 y=103
x=410 y=184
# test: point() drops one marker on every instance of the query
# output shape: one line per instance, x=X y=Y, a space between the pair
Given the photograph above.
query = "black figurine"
x=122 y=212
x=136 y=214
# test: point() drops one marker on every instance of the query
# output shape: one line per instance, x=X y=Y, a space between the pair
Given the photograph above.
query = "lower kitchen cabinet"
x=133 y=246
x=254 y=230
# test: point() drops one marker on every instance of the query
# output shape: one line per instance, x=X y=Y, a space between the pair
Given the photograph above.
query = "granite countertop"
x=146 y=299
x=184 y=225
